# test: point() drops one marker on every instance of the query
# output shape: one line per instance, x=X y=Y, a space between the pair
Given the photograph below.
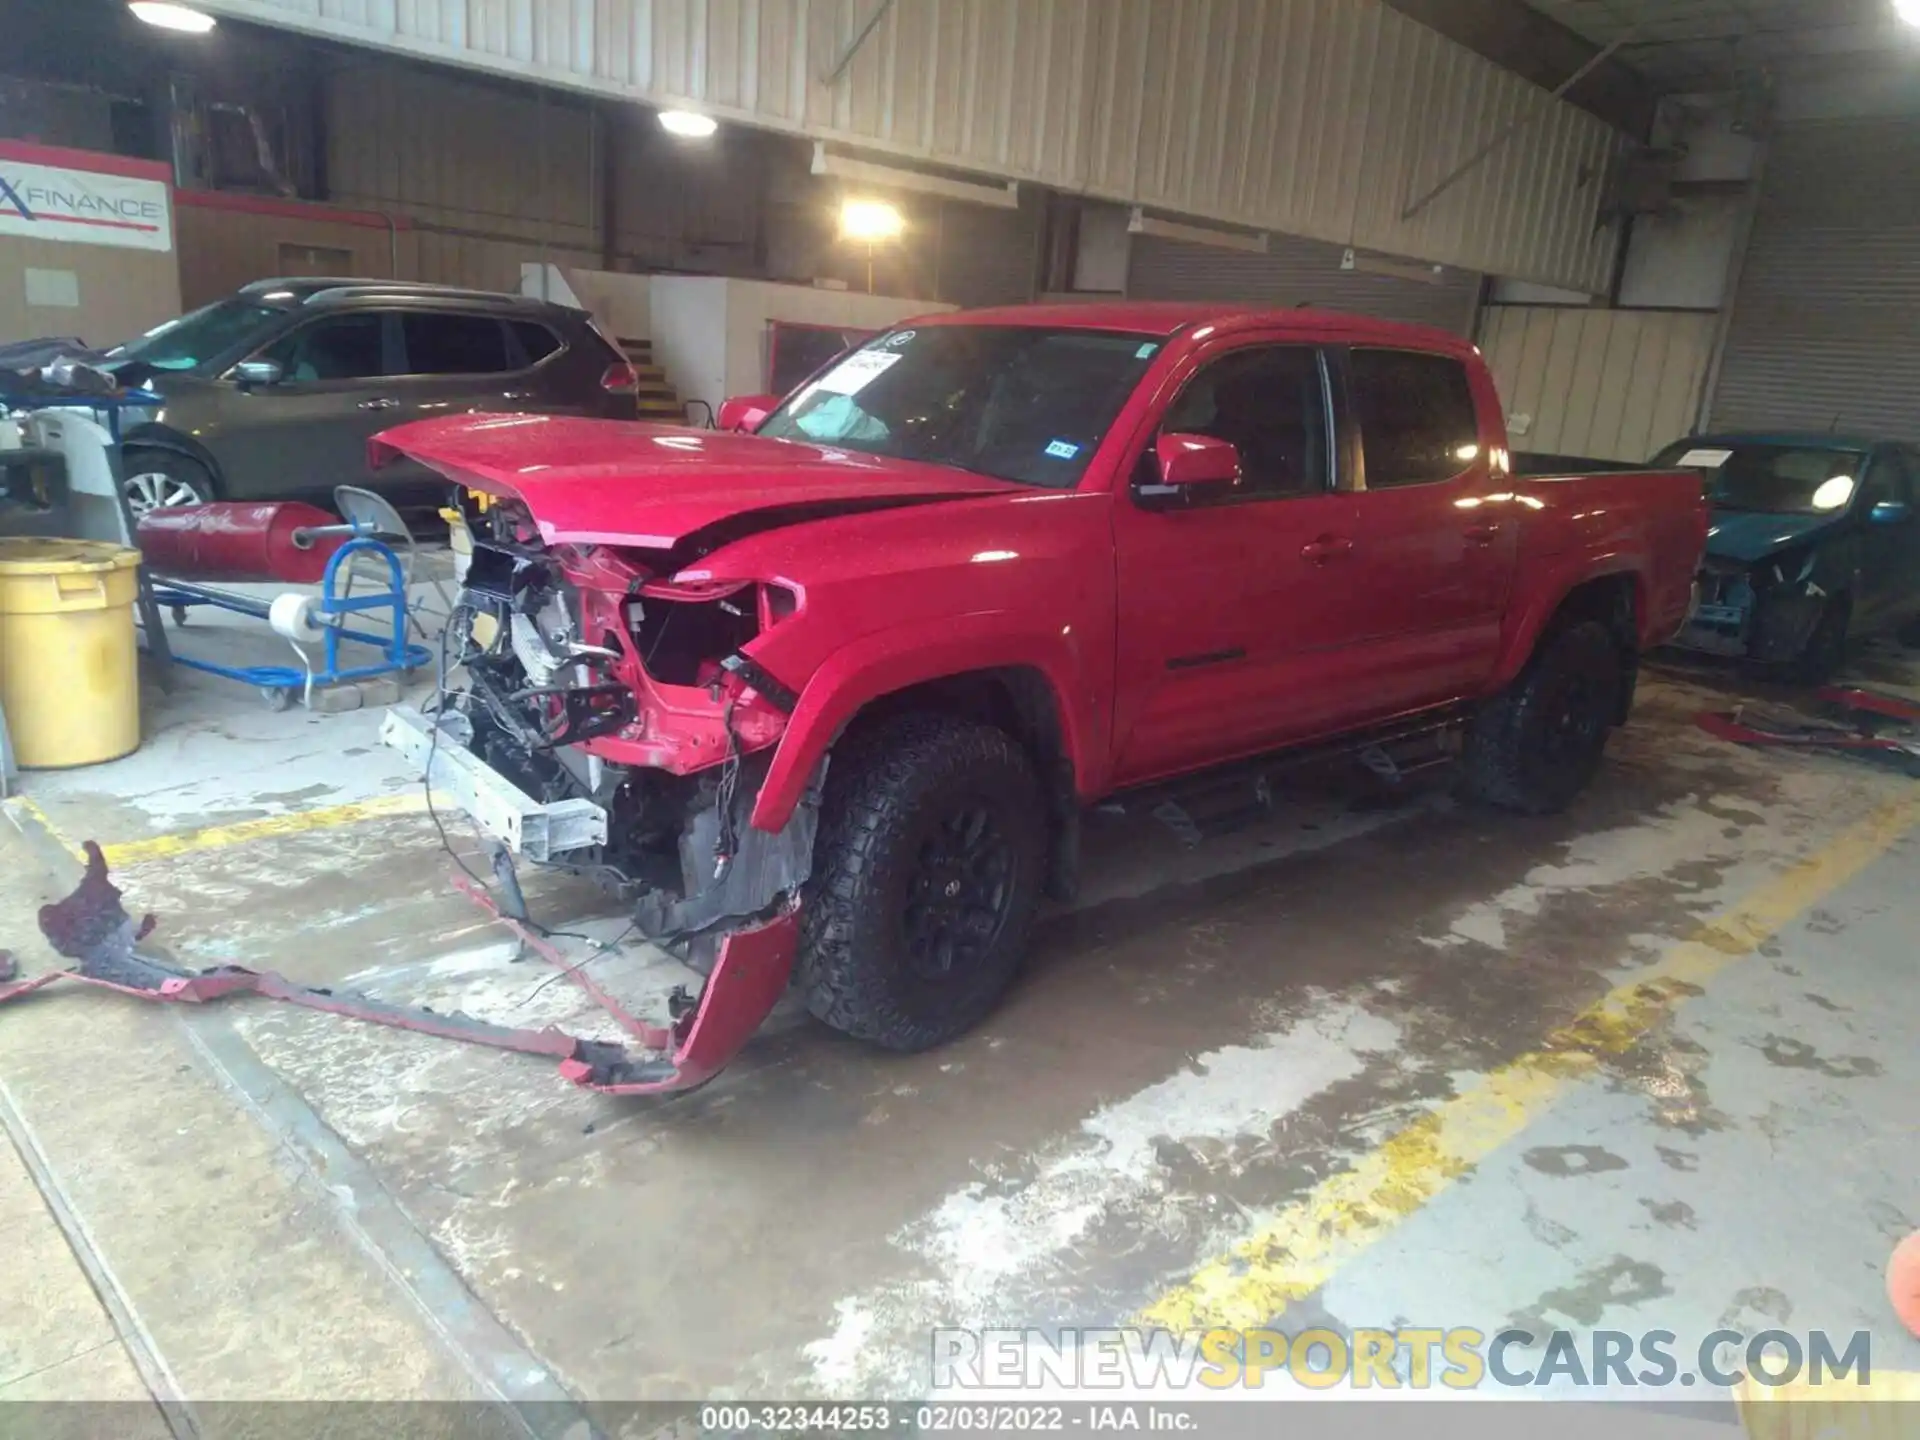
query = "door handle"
x=518 y=395
x=1482 y=534
x=382 y=402
x=1323 y=548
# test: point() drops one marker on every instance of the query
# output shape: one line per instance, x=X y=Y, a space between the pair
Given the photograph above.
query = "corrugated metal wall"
x=1322 y=118
x=987 y=256
x=1613 y=384
x=495 y=175
x=1296 y=272
x=1825 y=331
x=484 y=159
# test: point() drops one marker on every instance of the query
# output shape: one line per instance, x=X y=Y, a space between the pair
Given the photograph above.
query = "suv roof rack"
x=309 y=288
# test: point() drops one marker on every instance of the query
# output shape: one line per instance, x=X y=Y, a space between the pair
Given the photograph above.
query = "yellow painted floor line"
x=1300 y=1249
x=28 y=817
x=298 y=822
x=1833 y=1410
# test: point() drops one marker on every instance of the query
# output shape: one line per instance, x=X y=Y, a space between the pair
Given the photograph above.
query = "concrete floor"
x=1246 y=1081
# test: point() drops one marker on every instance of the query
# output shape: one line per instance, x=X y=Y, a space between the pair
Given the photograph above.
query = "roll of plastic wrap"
x=292 y=616
x=239 y=541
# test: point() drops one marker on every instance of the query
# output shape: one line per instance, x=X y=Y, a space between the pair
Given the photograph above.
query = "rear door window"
x=1416 y=416
x=536 y=341
x=340 y=347
x=449 y=343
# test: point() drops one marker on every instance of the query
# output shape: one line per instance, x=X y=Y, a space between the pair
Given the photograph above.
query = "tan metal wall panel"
x=122 y=291
x=223 y=248
x=480 y=264
x=1295 y=272
x=1613 y=384
x=1321 y=118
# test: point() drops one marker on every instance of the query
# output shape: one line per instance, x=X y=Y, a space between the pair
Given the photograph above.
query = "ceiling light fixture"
x=169 y=16
x=688 y=124
x=871 y=221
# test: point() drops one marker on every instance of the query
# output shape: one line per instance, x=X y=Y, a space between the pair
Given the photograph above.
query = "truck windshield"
x=1013 y=402
x=194 y=339
x=1775 y=479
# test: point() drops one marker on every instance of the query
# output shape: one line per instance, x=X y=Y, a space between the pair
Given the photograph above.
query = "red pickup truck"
x=827 y=698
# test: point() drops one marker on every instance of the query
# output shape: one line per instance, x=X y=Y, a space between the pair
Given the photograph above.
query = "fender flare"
x=1533 y=610
x=891 y=660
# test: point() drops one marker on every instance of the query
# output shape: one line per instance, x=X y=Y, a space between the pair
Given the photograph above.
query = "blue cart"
x=321 y=622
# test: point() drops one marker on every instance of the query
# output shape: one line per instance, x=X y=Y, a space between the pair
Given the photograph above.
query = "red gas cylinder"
x=239 y=541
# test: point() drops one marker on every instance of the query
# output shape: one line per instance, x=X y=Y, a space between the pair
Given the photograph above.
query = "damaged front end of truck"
x=622 y=705
x=622 y=678
x=598 y=717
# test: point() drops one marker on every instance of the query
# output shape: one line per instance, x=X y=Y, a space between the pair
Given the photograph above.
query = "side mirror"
x=253 y=374
x=1890 y=512
x=746 y=412
x=1196 y=460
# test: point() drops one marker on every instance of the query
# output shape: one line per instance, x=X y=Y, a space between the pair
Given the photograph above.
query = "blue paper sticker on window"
x=1062 y=449
x=1145 y=352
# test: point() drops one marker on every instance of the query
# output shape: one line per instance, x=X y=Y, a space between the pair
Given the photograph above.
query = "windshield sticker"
x=1703 y=459
x=1062 y=449
x=856 y=372
x=1145 y=352
x=898 y=338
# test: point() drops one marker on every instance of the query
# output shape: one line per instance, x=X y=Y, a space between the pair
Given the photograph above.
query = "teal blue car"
x=1815 y=543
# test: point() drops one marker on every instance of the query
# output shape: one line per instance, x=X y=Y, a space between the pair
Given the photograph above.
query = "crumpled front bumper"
x=1734 y=617
x=92 y=928
x=1722 y=611
x=749 y=905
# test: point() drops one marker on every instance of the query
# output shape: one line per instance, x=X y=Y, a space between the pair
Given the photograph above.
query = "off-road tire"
x=1537 y=744
x=886 y=786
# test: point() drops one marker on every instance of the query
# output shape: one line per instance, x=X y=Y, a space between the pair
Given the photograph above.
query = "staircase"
x=656 y=398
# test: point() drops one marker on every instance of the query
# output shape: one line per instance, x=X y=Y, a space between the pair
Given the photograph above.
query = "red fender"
x=894 y=659
x=1558 y=577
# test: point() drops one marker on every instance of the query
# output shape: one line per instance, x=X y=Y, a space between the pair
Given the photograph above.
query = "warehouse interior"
x=1311 y=1060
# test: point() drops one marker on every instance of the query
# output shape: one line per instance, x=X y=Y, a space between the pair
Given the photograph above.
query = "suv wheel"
x=928 y=870
x=1535 y=746
x=159 y=478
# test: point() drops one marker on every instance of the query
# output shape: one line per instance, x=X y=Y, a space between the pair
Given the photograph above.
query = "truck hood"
x=652 y=486
x=1751 y=535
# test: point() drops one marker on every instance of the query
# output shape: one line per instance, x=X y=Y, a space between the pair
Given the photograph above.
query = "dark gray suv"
x=273 y=392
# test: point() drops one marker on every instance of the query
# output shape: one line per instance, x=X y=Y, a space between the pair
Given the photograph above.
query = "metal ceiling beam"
x=853 y=46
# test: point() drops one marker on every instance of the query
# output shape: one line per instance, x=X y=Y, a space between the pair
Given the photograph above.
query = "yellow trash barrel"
x=69 y=673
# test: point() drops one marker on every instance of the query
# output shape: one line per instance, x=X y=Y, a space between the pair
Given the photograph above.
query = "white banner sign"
x=51 y=202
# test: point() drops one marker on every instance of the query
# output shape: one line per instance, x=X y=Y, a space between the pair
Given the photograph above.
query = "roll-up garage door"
x=1296 y=272
x=1825 y=330
x=987 y=256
